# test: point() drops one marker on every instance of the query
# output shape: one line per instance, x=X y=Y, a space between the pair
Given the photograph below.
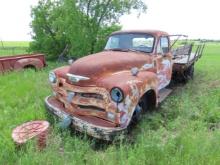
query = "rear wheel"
x=189 y=73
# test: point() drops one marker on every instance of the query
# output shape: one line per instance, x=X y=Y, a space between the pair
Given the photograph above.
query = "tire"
x=191 y=72
x=140 y=109
x=188 y=74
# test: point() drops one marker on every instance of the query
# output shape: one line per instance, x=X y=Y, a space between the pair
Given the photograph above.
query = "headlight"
x=52 y=77
x=117 y=95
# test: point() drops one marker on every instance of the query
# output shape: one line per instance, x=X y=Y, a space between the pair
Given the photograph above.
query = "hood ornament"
x=76 y=78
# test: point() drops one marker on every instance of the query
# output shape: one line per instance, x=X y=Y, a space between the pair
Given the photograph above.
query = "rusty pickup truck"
x=19 y=62
x=103 y=93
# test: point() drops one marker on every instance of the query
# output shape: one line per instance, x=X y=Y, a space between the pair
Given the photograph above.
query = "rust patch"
x=19 y=62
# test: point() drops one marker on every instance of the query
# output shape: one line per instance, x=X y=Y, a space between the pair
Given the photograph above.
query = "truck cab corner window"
x=163 y=46
x=159 y=50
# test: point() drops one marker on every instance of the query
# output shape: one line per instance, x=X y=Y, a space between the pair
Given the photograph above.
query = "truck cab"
x=155 y=45
x=103 y=93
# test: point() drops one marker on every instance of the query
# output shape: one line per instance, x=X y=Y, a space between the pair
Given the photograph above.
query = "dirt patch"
x=214 y=84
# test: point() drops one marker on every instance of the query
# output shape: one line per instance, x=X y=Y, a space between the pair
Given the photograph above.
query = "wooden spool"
x=31 y=130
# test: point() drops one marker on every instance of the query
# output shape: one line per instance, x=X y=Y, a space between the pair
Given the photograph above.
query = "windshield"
x=134 y=42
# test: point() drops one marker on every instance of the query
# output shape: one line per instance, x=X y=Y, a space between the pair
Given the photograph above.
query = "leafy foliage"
x=80 y=26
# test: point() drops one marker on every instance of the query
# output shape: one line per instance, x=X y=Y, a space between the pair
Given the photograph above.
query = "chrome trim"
x=76 y=78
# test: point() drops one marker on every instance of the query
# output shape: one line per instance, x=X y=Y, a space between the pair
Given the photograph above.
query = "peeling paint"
x=164 y=79
x=134 y=88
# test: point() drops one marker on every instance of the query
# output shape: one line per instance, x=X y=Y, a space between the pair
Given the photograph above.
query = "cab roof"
x=152 y=32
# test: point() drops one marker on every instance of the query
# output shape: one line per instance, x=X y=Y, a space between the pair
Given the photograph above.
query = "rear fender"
x=34 y=62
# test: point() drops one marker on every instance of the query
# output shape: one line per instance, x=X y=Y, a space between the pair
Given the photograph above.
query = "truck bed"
x=19 y=62
x=184 y=55
x=19 y=56
x=184 y=59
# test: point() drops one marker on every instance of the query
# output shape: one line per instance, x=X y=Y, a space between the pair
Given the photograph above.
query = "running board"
x=163 y=93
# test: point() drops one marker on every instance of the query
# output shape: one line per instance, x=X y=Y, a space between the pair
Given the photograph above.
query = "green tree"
x=101 y=13
x=80 y=27
x=47 y=37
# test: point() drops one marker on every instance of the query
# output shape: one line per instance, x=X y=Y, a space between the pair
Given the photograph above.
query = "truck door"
x=164 y=62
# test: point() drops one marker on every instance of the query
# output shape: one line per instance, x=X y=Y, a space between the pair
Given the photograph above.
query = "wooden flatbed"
x=184 y=59
x=184 y=55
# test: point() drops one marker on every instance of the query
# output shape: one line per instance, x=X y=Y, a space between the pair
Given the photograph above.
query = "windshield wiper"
x=118 y=49
x=134 y=50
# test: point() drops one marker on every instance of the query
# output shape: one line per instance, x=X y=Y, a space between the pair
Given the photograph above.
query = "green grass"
x=13 y=47
x=14 y=43
x=185 y=129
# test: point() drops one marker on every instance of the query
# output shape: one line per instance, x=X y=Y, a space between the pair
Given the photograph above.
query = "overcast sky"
x=196 y=18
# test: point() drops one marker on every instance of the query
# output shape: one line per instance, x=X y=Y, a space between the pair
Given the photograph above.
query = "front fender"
x=62 y=71
x=134 y=87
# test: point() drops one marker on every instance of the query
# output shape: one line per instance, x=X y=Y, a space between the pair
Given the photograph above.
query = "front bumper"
x=100 y=132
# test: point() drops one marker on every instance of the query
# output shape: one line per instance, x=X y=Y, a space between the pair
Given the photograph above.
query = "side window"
x=163 y=45
x=159 y=50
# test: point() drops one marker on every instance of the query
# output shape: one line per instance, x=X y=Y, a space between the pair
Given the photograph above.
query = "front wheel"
x=140 y=109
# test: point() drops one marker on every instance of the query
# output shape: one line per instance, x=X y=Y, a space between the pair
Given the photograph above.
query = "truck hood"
x=104 y=63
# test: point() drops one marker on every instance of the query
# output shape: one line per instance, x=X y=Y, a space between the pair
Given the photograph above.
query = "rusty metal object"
x=30 y=130
x=83 y=90
x=95 y=127
x=184 y=60
x=19 y=62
